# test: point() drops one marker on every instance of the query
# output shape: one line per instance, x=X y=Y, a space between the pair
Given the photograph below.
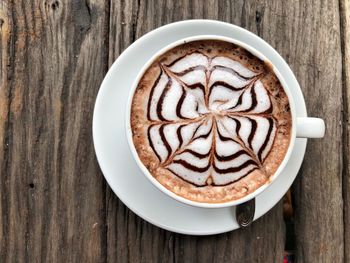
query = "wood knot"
x=2 y=21
x=258 y=16
x=53 y=5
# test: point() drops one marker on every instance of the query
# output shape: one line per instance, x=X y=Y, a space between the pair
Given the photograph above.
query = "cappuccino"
x=210 y=121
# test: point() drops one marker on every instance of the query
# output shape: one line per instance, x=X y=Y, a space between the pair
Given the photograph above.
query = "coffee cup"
x=302 y=127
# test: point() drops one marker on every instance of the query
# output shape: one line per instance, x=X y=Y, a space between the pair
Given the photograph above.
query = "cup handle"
x=310 y=127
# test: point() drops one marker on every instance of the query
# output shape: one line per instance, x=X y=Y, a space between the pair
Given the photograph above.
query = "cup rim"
x=146 y=172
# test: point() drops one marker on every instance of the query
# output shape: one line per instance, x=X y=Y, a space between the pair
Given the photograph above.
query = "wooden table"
x=55 y=205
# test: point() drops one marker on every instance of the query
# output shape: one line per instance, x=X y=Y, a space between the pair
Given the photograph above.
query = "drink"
x=210 y=121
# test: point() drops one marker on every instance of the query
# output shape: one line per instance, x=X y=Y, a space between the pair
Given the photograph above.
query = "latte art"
x=211 y=120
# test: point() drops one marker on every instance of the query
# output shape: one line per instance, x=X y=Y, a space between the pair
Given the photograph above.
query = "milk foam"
x=210 y=119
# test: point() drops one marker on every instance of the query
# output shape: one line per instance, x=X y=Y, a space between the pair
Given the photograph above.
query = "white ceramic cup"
x=302 y=127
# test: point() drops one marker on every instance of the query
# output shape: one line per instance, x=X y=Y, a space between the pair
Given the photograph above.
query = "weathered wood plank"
x=129 y=238
x=314 y=53
x=345 y=28
x=132 y=239
x=6 y=68
x=52 y=193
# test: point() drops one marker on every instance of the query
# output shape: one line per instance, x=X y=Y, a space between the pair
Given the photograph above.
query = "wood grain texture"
x=314 y=48
x=52 y=192
x=345 y=29
x=6 y=62
x=54 y=203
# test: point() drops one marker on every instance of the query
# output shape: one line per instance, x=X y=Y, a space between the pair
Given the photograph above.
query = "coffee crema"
x=210 y=121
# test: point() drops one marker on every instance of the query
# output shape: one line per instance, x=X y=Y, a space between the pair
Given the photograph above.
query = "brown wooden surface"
x=55 y=205
x=315 y=57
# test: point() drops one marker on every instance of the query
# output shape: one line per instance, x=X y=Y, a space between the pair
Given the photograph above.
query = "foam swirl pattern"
x=211 y=119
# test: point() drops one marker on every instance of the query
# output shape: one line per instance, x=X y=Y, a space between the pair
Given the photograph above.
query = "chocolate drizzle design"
x=210 y=119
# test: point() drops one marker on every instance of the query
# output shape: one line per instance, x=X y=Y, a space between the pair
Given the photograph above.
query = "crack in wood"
x=135 y=21
x=344 y=7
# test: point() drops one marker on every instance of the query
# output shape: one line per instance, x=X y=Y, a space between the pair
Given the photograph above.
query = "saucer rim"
x=300 y=113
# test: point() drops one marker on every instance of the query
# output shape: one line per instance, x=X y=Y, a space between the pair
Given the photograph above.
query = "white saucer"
x=117 y=163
